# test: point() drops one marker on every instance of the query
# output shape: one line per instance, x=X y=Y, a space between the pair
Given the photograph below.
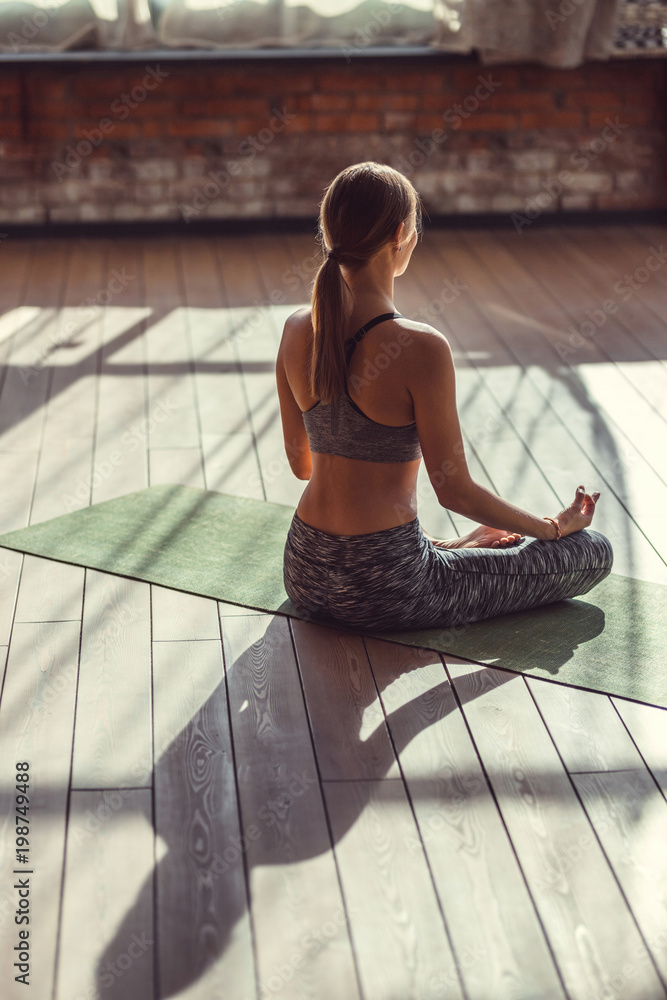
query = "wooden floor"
x=230 y=806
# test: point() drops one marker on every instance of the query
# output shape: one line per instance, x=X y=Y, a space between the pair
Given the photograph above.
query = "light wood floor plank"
x=13 y=312
x=122 y=428
x=176 y=465
x=73 y=394
x=107 y=944
x=256 y=334
x=173 y=418
x=349 y=729
x=574 y=890
x=53 y=591
x=602 y=264
x=26 y=385
x=179 y=616
x=629 y=815
x=396 y=925
x=294 y=885
x=50 y=591
x=219 y=384
x=585 y=727
x=205 y=946
x=648 y=727
x=112 y=739
x=230 y=465
x=36 y=725
x=498 y=942
x=20 y=471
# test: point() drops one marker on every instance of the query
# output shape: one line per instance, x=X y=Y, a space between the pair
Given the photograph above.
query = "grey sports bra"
x=341 y=428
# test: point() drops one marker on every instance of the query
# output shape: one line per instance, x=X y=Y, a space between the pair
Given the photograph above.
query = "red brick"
x=10 y=130
x=121 y=130
x=487 y=121
x=391 y=102
x=355 y=122
x=55 y=109
x=19 y=150
x=149 y=109
x=177 y=85
x=200 y=129
x=103 y=85
x=545 y=78
x=224 y=107
x=349 y=80
x=153 y=129
x=418 y=82
x=622 y=200
x=626 y=116
x=593 y=99
x=551 y=119
x=233 y=84
x=435 y=102
x=521 y=100
x=250 y=126
x=10 y=107
x=465 y=79
x=300 y=123
x=49 y=88
x=9 y=84
x=397 y=120
x=325 y=102
x=49 y=130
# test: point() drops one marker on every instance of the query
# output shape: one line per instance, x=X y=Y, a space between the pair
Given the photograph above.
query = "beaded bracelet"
x=555 y=522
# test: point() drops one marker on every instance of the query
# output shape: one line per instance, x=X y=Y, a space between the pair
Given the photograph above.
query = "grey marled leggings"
x=397 y=578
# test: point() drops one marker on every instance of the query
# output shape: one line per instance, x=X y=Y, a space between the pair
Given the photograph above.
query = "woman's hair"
x=359 y=214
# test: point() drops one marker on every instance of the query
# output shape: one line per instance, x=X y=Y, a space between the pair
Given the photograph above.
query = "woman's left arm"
x=297 y=447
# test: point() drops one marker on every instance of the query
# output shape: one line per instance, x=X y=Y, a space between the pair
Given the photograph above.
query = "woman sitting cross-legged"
x=366 y=393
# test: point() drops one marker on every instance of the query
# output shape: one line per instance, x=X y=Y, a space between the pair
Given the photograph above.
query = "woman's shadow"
x=198 y=890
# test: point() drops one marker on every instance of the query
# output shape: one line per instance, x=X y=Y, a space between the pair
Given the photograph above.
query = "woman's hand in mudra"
x=481 y=538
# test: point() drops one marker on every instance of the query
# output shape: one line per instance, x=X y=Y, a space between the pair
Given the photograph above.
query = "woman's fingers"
x=589 y=504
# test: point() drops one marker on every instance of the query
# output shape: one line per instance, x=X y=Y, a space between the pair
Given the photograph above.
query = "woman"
x=360 y=410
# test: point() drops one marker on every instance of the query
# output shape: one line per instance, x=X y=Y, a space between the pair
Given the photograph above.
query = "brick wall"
x=254 y=139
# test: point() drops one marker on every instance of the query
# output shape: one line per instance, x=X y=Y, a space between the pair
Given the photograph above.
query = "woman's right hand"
x=579 y=514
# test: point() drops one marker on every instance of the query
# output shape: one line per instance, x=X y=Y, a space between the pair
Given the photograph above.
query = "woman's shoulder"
x=299 y=328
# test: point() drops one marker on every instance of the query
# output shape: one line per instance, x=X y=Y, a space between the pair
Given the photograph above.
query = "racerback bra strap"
x=351 y=342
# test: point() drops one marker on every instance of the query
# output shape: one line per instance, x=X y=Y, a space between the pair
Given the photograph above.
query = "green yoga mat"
x=231 y=548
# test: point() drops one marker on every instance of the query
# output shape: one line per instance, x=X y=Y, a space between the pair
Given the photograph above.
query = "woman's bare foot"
x=480 y=538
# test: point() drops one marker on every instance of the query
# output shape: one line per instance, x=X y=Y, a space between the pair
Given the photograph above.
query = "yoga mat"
x=231 y=548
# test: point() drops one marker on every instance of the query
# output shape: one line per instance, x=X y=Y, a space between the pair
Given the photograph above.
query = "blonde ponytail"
x=359 y=215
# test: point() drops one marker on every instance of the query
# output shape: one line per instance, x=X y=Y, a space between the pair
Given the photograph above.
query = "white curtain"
x=552 y=32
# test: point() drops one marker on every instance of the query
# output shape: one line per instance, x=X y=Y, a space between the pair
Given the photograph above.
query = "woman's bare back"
x=348 y=496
